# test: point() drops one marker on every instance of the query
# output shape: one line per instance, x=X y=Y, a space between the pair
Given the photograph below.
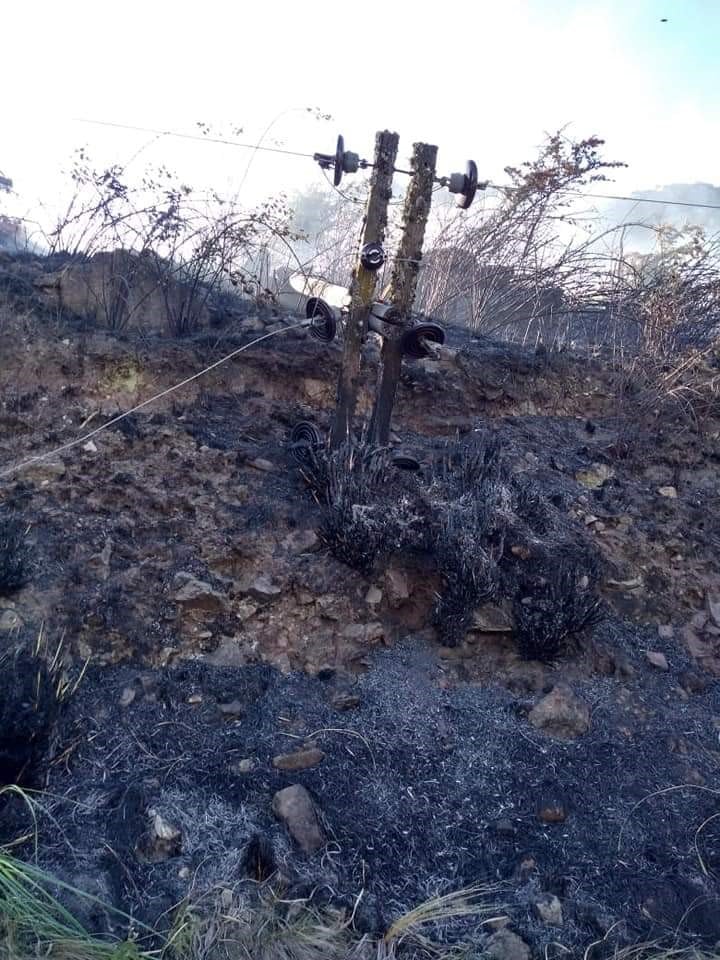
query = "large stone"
x=10 y=620
x=549 y=910
x=506 y=945
x=261 y=588
x=44 y=471
x=261 y=464
x=370 y=633
x=561 y=714
x=295 y=807
x=594 y=478
x=163 y=840
x=713 y=605
x=657 y=659
x=300 y=760
x=397 y=586
x=120 y=289
x=302 y=541
x=197 y=594
x=492 y=619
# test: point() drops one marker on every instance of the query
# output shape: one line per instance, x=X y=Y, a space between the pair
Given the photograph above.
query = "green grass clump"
x=34 y=924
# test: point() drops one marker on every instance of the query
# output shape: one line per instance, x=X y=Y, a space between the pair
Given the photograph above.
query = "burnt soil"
x=436 y=778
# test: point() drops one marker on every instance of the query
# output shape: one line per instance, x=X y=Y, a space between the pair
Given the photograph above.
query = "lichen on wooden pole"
x=403 y=283
x=362 y=288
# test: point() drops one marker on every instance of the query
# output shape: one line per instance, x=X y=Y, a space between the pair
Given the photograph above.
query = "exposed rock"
x=561 y=714
x=713 y=605
x=100 y=562
x=245 y=610
x=266 y=466
x=300 y=760
x=594 y=478
x=121 y=288
x=657 y=659
x=549 y=910
x=552 y=809
x=295 y=807
x=302 y=541
x=521 y=551
x=506 y=945
x=344 y=700
x=45 y=471
x=197 y=594
x=232 y=710
x=669 y=492
x=372 y=633
x=243 y=766
x=666 y=631
x=90 y=447
x=693 y=682
x=10 y=620
x=162 y=841
x=398 y=588
x=492 y=619
x=262 y=588
x=127 y=696
x=374 y=596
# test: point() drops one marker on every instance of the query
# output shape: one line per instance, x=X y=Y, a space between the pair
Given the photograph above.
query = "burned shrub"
x=469 y=534
x=551 y=611
x=469 y=571
x=14 y=565
x=347 y=480
x=28 y=708
x=472 y=468
x=529 y=505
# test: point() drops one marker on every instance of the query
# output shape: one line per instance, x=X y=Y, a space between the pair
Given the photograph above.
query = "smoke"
x=644 y=218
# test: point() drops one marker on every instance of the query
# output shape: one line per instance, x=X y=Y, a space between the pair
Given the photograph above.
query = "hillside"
x=214 y=650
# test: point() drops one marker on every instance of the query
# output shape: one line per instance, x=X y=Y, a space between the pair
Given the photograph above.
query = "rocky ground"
x=232 y=658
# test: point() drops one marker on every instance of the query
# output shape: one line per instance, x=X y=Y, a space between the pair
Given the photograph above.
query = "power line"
x=39 y=458
x=310 y=156
x=192 y=136
x=613 y=196
x=664 y=203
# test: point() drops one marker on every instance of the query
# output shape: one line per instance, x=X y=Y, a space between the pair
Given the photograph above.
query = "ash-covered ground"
x=182 y=554
x=423 y=788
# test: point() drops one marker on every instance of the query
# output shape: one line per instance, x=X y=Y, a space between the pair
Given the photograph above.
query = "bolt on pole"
x=403 y=284
x=362 y=288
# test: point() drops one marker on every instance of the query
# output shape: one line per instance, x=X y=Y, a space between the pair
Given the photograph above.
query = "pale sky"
x=479 y=79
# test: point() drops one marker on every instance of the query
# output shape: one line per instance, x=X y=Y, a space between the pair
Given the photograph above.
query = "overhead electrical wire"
x=310 y=156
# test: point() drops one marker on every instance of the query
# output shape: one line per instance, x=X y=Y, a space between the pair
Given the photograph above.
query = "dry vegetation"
x=527 y=268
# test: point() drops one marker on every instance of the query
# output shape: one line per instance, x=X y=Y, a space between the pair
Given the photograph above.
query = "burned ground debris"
x=14 y=554
x=490 y=531
x=436 y=773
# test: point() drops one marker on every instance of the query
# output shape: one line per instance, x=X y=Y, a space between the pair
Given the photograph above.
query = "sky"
x=479 y=79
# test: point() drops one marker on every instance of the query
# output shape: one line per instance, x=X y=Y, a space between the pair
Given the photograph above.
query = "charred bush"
x=529 y=505
x=470 y=580
x=347 y=482
x=473 y=468
x=549 y=612
x=469 y=494
x=14 y=563
x=27 y=714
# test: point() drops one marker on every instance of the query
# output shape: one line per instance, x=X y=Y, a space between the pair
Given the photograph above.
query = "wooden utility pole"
x=403 y=284
x=362 y=288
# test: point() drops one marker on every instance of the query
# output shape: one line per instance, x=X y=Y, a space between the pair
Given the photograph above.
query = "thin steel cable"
x=310 y=156
x=144 y=403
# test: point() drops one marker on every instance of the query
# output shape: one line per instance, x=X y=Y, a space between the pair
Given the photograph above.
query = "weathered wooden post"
x=404 y=283
x=362 y=288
